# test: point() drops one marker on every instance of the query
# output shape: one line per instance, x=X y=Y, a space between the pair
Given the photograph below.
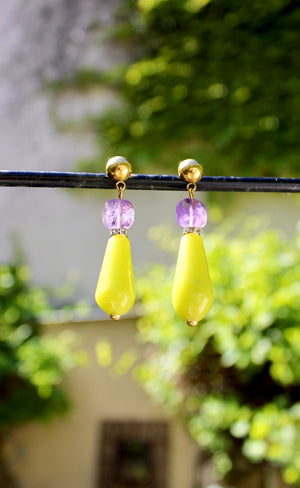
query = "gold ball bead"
x=190 y=170
x=118 y=168
x=192 y=323
x=115 y=316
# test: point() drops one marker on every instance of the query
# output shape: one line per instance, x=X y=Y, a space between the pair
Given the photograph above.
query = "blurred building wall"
x=66 y=452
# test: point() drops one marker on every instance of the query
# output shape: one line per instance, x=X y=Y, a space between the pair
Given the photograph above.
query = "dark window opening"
x=133 y=464
x=133 y=455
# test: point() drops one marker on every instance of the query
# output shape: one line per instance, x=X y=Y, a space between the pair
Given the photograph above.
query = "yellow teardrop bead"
x=192 y=294
x=115 y=292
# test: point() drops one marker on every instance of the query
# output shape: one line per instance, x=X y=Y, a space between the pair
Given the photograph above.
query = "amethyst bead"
x=191 y=213
x=118 y=214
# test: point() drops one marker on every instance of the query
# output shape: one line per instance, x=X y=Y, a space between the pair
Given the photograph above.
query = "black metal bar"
x=53 y=179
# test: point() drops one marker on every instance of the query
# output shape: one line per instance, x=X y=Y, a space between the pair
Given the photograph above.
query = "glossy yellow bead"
x=192 y=294
x=115 y=292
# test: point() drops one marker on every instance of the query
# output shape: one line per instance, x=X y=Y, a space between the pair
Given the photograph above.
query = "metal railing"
x=56 y=179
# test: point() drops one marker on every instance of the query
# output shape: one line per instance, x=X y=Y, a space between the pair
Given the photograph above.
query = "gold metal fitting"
x=191 y=188
x=115 y=316
x=192 y=323
x=190 y=170
x=120 y=186
x=191 y=230
x=118 y=168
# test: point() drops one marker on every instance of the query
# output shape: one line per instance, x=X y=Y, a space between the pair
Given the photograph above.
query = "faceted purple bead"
x=118 y=214
x=191 y=213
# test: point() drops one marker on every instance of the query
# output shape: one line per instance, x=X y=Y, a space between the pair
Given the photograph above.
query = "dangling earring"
x=115 y=292
x=192 y=294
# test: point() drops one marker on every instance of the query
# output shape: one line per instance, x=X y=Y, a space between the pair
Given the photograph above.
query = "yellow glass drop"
x=115 y=292
x=192 y=294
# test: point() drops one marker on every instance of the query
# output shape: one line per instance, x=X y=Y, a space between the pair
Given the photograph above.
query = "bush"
x=235 y=378
x=211 y=79
x=32 y=365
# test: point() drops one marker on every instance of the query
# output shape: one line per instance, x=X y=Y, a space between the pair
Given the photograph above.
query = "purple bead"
x=191 y=213
x=118 y=214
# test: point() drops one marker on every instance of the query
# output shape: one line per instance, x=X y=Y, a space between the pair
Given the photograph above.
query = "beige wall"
x=65 y=453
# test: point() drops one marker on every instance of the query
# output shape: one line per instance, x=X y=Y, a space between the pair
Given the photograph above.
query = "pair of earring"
x=192 y=294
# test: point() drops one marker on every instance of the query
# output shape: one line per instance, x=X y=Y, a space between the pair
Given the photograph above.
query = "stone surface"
x=118 y=214
x=191 y=213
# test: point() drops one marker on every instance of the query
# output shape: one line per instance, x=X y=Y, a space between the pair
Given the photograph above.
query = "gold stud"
x=190 y=170
x=118 y=168
x=115 y=316
x=192 y=323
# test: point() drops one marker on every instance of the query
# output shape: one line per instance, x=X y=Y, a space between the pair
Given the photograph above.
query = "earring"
x=115 y=292
x=192 y=294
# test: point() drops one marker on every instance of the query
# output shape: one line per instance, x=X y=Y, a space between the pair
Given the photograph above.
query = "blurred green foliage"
x=234 y=378
x=211 y=79
x=32 y=365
